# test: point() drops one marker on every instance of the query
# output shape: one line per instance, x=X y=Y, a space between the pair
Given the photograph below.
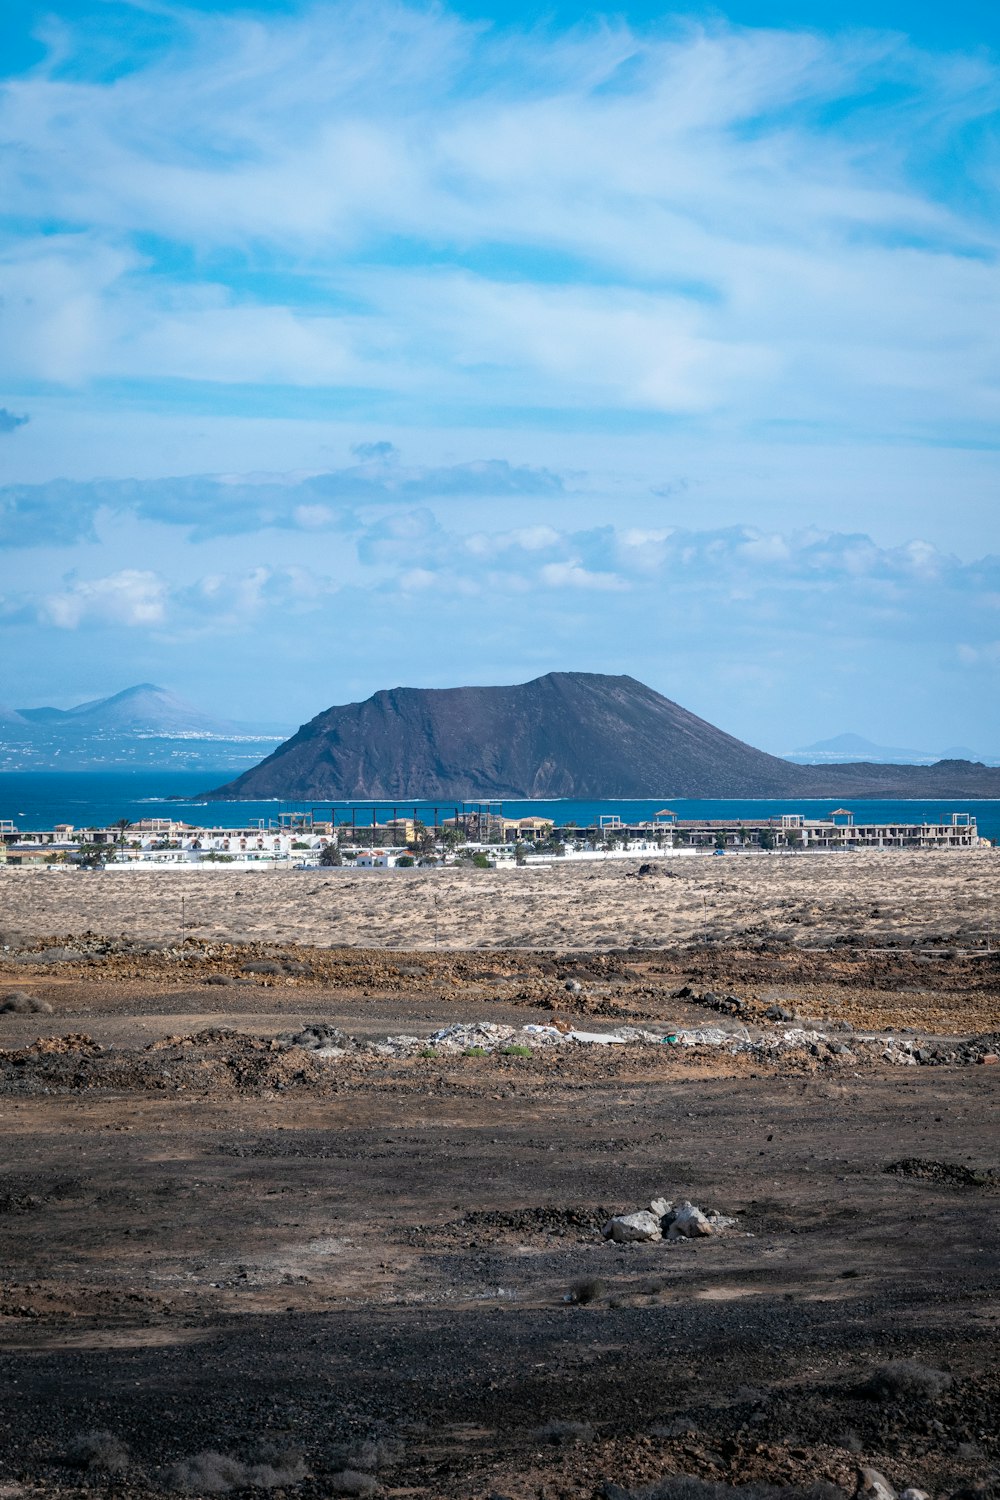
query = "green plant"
x=517 y=1049
x=405 y=862
x=428 y=1052
x=474 y=1052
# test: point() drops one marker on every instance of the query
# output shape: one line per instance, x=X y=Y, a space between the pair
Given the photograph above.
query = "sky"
x=345 y=346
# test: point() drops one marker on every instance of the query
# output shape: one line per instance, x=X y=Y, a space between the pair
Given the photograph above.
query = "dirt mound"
x=947 y=1173
x=526 y=1225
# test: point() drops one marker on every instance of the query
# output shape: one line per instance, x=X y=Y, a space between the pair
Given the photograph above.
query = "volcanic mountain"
x=568 y=734
x=143 y=709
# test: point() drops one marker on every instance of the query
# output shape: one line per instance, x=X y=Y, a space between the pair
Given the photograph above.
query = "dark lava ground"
x=349 y=1277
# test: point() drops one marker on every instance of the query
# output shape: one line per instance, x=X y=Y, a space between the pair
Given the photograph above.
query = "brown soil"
x=212 y=1242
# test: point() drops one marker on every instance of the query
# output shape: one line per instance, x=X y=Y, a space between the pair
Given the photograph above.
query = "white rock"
x=911 y=1493
x=872 y=1485
x=661 y=1206
x=719 y=1222
x=689 y=1223
x=638 y=1228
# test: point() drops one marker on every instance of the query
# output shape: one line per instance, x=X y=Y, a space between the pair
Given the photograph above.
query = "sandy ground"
x=893 y=897
x=214 y=1243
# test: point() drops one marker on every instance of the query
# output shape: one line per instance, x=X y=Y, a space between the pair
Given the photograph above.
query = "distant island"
x=854 y=748
x=142 y=726
x=567 y=734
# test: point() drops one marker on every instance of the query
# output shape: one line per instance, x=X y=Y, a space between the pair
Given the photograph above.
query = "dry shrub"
x=20 y=1003
x=211 y=1473
x=589 y=1289
x=564 y=1433
x=370 y=1455
x=97 y=1450
x=905 y=1380
x=352 y=1482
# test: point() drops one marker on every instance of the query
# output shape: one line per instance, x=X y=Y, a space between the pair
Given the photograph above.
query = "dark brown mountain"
x=568 y=734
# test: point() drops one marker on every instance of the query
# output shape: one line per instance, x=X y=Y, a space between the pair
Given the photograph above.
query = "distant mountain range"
x=568 y=734
x=854 y=747
x=143 y=726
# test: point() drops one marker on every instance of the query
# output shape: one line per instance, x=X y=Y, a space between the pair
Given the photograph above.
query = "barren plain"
x=249 y=1245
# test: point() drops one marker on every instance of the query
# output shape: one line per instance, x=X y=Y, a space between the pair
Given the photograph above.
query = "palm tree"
x=123 y=825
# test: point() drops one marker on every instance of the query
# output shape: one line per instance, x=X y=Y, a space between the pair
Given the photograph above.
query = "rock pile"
x=665 y=1220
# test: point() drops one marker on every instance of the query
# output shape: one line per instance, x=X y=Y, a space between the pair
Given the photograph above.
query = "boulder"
x=873 y=1485
x=688 y=1222
x=661 y=1207
x=629 y=1229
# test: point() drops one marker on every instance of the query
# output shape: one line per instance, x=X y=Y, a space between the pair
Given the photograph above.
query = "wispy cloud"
x=9 y=421
x=210 y=505
x=703 y=221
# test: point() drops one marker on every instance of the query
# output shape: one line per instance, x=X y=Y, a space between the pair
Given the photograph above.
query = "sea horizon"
x=38 y=800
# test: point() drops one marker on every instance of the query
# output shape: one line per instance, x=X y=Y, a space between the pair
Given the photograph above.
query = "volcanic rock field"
x=305 y=1188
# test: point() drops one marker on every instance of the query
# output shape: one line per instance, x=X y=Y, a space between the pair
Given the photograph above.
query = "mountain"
x=144 y=709
x=854 y=748
x=568 y=734
x=12 y=725
x=143 y=726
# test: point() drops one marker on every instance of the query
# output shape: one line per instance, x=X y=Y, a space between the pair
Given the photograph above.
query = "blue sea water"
x=40 y=799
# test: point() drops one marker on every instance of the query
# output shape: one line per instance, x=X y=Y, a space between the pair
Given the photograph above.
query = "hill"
x=568 y=734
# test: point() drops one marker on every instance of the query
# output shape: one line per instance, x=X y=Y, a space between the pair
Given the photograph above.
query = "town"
x=351 y=836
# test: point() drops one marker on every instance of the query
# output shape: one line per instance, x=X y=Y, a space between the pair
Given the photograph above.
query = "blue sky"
x=350 y=345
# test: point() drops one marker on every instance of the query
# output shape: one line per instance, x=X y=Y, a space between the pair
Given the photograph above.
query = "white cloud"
x=709 y=222
x=132 y=597
x=571 y=575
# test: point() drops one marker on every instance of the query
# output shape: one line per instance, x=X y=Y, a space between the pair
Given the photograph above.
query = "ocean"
x=40 y=799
